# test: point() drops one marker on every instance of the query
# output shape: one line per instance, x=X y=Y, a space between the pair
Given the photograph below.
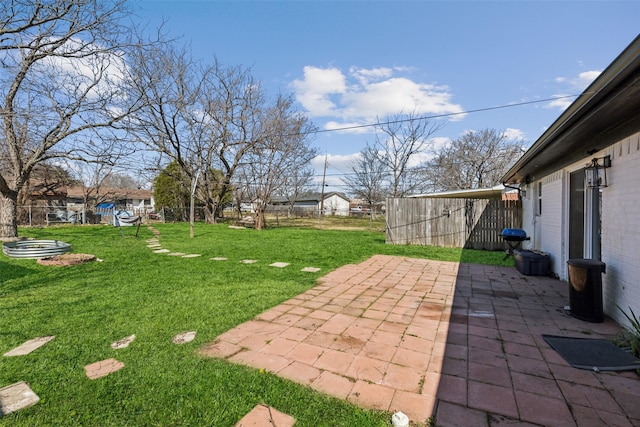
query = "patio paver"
x=103 y=368
x=279 y=264
x=29 y=346
x=443 y=339
x=123 y=343
x=184 y=337
x=16 y=397
x=265 y=416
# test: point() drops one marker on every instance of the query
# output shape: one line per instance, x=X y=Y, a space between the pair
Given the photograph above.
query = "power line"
x=437 y=116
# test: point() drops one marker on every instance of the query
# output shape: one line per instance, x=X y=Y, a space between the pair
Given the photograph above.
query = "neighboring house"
x=138 y=201
x=567 y=213
x=332 y=203
x=60 y=203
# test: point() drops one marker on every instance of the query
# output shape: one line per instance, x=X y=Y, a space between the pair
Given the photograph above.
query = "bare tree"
x=477 y=159
x=206 y=118
x=399 y=139
x=91 y=178
x=120 y=180
x=297 y=183
x=368 y=176
x=282 y=151
x=62 y=63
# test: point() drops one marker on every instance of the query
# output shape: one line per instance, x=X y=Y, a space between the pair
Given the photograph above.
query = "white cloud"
x=585 y=78
x=314 y=91
x=347 y=127
x=365 y=76
x=340 y=162
x=579 y=82
x=363 y=95
x=87 y=67
x=514 y=134
x=562 y=101
x=440 y=142
x=575 y=85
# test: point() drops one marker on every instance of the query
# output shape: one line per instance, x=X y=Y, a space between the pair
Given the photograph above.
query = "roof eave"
x=603 y=93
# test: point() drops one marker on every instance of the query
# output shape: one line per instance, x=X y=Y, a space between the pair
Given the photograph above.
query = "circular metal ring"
x=35 y=248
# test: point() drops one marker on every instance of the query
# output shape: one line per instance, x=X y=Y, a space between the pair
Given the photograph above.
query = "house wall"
x=336 y=205
x=620 y=224
x=620 y=228
x=544 y=226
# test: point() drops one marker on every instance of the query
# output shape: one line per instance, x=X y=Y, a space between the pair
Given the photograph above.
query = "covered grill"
x=514 y=237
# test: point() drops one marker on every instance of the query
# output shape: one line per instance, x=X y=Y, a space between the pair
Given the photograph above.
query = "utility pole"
x=194 y=183
x=324 y=176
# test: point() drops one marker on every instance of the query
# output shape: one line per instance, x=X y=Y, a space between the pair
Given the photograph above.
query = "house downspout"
x=595 y=224
x=513 y=188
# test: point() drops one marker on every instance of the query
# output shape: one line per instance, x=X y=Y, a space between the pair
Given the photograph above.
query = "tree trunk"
x=260 y=221
x=8 y=214
x=209 y=213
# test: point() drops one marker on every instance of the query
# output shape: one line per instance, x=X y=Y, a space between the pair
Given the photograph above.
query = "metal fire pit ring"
x=35 y=248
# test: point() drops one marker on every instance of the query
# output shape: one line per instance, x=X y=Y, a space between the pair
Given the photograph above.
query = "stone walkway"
x=462 y=343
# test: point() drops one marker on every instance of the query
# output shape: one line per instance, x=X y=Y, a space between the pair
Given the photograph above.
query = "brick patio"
x=459 y=342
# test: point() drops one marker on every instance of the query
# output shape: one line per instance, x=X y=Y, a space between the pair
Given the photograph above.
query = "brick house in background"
x=45 y=203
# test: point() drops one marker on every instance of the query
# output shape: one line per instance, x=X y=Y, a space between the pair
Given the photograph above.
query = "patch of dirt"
x=65 y=260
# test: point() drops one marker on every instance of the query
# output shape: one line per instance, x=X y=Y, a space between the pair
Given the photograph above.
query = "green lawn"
x=155 y=296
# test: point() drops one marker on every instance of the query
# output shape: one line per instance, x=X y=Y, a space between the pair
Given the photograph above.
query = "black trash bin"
x=585 y=289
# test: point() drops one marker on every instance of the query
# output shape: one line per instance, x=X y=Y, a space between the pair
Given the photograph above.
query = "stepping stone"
x=191 y=256
x=162 y=251
x=176 y=254
x=266 y=416
x=123 y=343
x=482 y=314
x=184 y=337
x=279 y=264
x=154 y=245
x=249 y=261
x=15 y=397
x=236 y=227
x=310 y=269
x=219 y=258
x=29 y=346
x=103 y=368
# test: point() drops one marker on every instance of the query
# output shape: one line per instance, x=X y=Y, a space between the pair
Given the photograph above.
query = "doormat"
x=592 y=354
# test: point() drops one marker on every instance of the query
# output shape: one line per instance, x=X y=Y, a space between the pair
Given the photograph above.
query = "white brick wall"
x=621 y=229
x=620 y=225
x=551 y=220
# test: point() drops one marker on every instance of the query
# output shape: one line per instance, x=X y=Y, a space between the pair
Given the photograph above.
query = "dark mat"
x=592 y=354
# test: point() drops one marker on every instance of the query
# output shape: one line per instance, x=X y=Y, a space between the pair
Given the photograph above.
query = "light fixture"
x=596 y=172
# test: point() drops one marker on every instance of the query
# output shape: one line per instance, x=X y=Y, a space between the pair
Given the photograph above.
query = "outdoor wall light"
x=596 y=172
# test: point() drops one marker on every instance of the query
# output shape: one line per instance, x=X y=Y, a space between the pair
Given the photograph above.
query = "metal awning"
x=474 y=193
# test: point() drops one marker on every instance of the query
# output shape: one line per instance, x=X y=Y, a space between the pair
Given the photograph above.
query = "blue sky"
x=350 y=61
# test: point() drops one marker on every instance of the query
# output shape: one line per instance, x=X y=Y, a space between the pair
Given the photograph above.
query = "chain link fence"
x=78 y=214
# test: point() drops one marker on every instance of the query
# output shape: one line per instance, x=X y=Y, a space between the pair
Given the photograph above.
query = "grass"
x=155 y=296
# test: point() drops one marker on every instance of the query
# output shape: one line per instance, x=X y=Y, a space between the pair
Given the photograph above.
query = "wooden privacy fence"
x=457 y=223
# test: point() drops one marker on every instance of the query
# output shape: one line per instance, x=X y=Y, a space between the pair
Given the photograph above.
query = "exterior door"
x=576 y=214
